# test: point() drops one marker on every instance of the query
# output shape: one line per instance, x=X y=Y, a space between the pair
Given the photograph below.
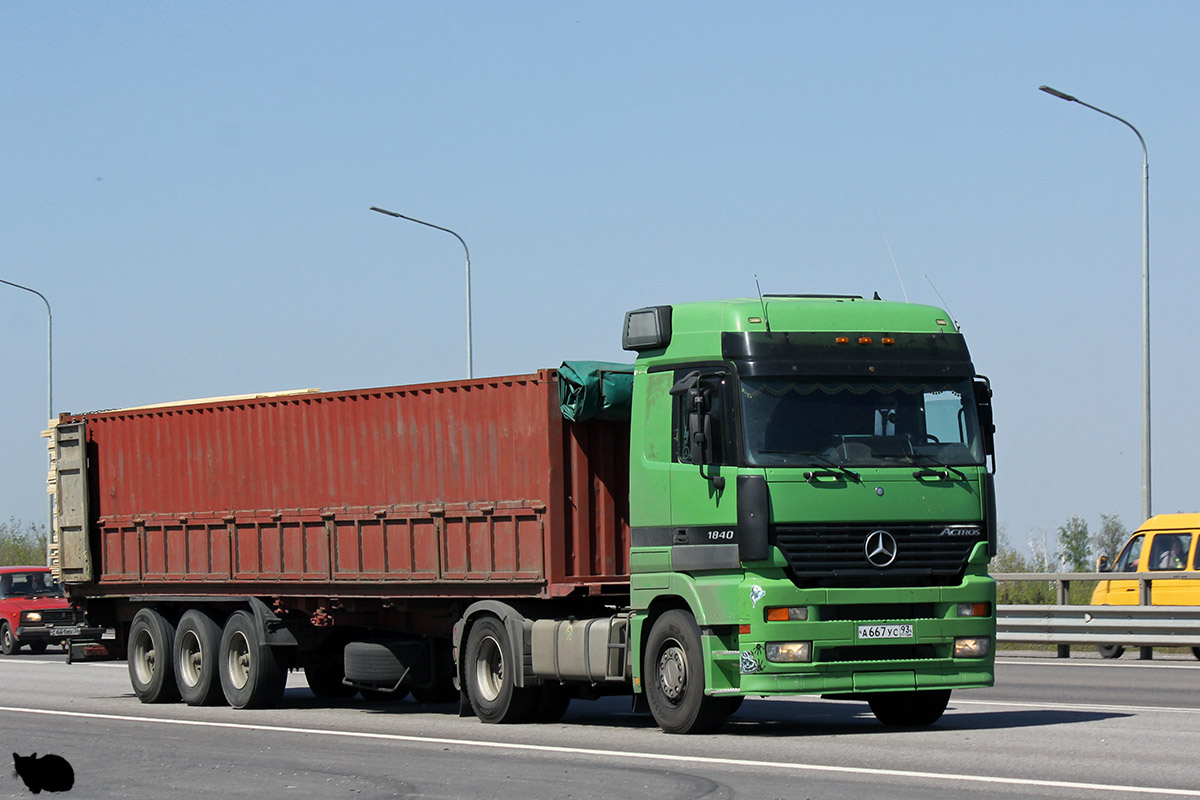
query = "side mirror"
x=1102 y=564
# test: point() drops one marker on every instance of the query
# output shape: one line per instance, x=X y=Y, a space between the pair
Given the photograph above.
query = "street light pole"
x=49 y=398
x=470 y=371
x=1145 y=292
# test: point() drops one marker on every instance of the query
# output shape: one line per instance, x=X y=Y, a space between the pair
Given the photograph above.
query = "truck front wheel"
x=909 y=709
x=151 y=641
x=197 y=640
x=251 y=674
x=673 y=675
x=490 y=675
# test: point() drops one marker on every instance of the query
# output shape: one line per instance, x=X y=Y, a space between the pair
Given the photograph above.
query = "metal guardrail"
x=1144 y=626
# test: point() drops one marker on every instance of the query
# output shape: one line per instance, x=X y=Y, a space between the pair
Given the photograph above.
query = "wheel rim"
x=191 y=658
x=143 y=656
x=672 y=671
x=489 y=669
x=7 y=638
x=237 y=665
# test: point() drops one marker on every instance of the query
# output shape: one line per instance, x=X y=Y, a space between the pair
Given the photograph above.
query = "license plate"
x=65 y=631
x=885 y=631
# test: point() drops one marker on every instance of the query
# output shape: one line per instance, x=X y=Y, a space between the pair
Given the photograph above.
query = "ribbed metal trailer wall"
x=472 y=488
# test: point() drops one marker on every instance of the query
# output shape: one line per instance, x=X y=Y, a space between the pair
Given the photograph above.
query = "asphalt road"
x=1050 y=728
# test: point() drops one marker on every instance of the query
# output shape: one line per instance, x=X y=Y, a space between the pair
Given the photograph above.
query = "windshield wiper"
x=935 y=463
x=834 y=467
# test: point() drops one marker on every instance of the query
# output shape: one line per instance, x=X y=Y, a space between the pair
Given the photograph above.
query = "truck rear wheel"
x=325 y=679
x=909 y=709
x=673 y=676
x=251 y=674
x=490 y=676
x=197 y=640
x=151 y=641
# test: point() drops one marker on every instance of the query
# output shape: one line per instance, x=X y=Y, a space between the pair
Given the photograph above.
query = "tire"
x=673 y=677
x=8 y=642
x=1110 y=650
x=909 y=709
x=488 y=672
x=552 y=703
x=37 y=648
x=376 y=696
x=197 y=643
x=252 y=676
x=151 y=642
x=325 y=678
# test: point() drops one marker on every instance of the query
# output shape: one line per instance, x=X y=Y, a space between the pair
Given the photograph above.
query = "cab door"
x=1169 y=554
x=1122 y=592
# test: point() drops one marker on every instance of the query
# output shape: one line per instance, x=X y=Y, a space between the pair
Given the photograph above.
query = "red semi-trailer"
x=309 y=518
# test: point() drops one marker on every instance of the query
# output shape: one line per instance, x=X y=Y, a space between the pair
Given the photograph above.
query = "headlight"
x=789 y=652
x=972 y=647
x=31 y=616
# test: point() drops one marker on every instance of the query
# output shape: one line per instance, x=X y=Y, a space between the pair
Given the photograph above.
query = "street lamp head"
x=1058 y=94
x=385 y=211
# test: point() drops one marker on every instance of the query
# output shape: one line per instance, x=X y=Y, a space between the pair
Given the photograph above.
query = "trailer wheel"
x=252 y=676
x=151 y=641
x=197 y=640
x=325 y=676
x=909 y=709
x=8 y=642
x=673 y=676
x=490 y=676
x=1110 y=650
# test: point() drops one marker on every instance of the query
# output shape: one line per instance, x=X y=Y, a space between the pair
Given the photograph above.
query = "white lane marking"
x=1075 y=706
x=618 y=754
x=1105 y=664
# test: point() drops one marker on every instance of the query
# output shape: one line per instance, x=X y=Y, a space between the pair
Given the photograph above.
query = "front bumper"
x=51 y=634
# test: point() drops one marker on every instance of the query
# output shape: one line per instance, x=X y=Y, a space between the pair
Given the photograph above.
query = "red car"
x=34 y=612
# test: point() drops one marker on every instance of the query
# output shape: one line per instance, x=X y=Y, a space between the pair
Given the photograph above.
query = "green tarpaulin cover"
x=595 y=390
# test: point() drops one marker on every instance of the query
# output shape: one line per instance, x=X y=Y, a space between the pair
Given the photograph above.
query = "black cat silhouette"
x=50 y=773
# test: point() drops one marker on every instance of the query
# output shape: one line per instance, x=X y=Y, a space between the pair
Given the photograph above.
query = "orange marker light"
x=842 y=340
x=777 y=615
x=865 y=340
x=888 y=340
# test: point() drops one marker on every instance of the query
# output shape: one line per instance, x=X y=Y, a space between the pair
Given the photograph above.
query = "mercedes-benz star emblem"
x=880 y=548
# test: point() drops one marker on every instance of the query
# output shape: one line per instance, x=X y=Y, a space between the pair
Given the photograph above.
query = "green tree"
x=1112 y=534
x=22 y=543
x=1074 y=546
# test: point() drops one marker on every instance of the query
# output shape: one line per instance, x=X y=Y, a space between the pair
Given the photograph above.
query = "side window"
x=1128 y=560
x=719 y=420
x=1169 y=551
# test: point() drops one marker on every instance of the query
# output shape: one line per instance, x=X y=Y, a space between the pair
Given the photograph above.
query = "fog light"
x=974 y=609
x=972 y=647
x=787 y=614
x=789 y=652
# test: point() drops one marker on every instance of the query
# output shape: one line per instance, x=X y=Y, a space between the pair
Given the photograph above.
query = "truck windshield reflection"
x=860 y=423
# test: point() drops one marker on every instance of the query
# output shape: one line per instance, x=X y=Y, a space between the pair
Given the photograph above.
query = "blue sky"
x=189 y=185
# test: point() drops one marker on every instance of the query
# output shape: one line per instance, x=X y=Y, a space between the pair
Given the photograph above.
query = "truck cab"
x=810 y=483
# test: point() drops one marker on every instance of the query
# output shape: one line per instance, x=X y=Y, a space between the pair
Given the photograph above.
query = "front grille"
x=59 y=616
x=876 y=612
x=835 y=555
x=880 y=652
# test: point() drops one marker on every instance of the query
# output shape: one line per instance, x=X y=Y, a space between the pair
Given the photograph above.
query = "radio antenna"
x=945 y=305
x=893 y=255
x=766 y=319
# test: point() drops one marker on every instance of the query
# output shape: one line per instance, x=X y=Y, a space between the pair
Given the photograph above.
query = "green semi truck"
x=785 y=495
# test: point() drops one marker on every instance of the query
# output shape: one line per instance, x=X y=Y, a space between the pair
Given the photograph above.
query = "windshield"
x=29 y=584
x=859 y=422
